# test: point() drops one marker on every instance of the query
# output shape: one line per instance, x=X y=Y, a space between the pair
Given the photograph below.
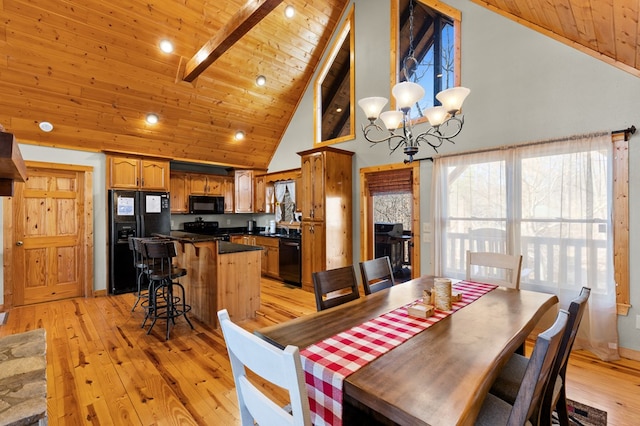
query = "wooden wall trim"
x=621 y=222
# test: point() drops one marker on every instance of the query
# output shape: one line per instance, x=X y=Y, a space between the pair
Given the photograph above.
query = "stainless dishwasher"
x=290 y=260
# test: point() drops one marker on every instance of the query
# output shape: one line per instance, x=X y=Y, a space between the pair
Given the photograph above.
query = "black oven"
x=205 y=204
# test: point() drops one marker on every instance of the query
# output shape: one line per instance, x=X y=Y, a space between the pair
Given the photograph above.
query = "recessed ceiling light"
x=45 y=126
x=261 y=80
x=166 y=46
x=152 y=118
x=239 y=135
x=289 y=11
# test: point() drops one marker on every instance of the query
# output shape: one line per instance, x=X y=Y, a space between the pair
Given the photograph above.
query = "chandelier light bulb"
x=372 y=106
x=452 y=99
x=407 y=94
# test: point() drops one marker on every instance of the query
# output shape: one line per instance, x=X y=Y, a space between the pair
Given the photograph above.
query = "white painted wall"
x=524 y=87
x=80 y=158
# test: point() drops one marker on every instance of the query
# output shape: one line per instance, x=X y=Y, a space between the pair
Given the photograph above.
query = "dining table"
x=439 y=376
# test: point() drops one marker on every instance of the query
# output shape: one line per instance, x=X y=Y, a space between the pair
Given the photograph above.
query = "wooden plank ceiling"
x=606 y=29
x=94 y=70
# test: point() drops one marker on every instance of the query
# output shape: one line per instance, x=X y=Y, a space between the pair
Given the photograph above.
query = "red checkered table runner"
x=327 y=363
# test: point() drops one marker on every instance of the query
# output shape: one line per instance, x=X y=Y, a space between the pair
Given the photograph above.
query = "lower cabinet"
x=270 y=253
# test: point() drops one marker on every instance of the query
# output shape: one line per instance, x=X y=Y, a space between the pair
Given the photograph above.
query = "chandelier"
x=444 y=120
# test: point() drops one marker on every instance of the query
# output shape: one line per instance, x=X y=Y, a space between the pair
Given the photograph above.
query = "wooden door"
x=49 y=250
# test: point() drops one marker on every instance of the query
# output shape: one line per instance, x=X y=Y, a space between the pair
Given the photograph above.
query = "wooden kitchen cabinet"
x=127 y=172
x=260 y=184
x=206 y=184
x=326 y=175
x=270 y=255
x=312 y=189
x=264 y=195
x=228 y=186
x=178 y=189
x=270 y=252
x=244 y=191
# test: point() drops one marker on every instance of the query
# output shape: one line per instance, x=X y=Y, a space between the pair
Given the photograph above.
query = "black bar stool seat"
x=166 y=296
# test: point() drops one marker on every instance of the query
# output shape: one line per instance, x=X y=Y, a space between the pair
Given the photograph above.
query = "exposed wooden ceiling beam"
x=240 y=24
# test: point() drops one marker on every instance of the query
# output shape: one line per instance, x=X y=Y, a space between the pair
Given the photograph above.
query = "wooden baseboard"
x=629 y=354
x=624 y=352
x=99 y=293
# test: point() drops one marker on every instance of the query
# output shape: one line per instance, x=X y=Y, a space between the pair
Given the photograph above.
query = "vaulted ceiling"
x=94 y=70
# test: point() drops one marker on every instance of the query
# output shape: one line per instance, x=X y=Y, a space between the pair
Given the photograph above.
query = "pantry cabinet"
x=325 y=200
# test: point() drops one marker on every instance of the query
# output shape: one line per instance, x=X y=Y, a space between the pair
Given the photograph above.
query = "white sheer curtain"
x=280 y=189
x=549 y=201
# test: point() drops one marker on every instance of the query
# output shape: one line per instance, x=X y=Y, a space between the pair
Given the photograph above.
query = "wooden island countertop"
x=220 y=275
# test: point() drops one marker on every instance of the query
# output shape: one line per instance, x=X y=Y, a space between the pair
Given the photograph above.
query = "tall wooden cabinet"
x=326 y=203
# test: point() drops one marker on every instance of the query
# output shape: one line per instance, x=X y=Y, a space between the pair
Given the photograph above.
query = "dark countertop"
x=224 y=247
x=281 y=234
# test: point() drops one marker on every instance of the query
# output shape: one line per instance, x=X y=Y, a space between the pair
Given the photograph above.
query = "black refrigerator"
x=133 y=214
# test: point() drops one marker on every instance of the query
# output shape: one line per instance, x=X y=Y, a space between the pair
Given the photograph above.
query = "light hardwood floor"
x=103 y=369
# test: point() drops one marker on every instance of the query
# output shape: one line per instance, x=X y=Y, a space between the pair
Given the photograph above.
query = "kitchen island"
x=220 y=275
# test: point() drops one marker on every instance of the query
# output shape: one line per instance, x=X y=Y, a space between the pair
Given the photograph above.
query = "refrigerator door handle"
x=140 y=225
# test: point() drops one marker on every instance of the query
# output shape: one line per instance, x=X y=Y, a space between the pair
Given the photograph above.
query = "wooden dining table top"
x=441 y=375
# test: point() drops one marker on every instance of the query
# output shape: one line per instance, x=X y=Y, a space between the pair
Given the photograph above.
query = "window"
x=550 y=202
x=428 y=32
x=285 y=193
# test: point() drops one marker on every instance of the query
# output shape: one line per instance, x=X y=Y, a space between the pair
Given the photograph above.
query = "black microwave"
x=205 y=204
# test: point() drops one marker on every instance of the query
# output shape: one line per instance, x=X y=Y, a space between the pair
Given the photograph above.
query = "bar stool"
x=142 y=265
x=166 y=296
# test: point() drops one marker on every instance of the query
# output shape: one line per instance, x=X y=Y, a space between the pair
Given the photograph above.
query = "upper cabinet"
x=179 y=192
x=228 y=185
x=127 y=172
x=334 y=117
x=244 y=191
x=206 y=184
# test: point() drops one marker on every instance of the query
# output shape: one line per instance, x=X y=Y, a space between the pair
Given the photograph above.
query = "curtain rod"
x=627 y=135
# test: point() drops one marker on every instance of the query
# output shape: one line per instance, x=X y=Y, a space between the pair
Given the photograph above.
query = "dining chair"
x=282 y=368
x=376 y=274
x=335 y=287
x=484 y=266
x=509 y=379
x=496 y=411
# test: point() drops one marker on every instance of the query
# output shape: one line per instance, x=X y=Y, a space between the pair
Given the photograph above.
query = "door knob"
x=19 y=243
